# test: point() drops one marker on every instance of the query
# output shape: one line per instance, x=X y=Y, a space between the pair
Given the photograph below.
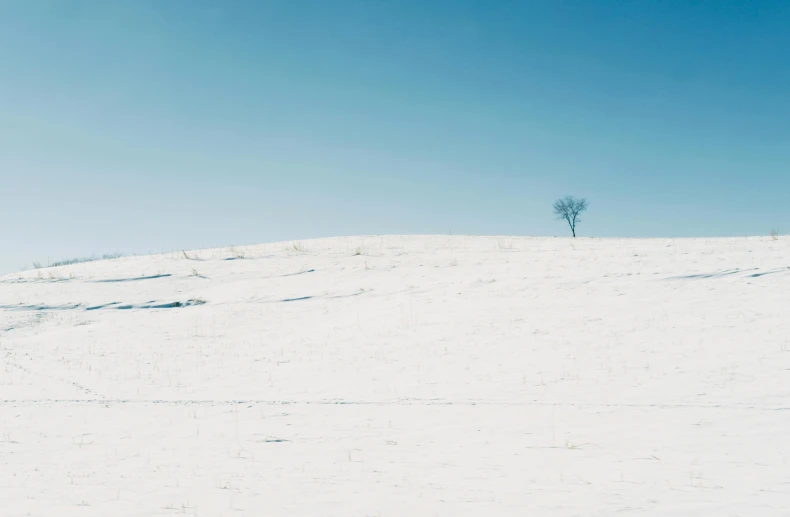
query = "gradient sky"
x=147 y=126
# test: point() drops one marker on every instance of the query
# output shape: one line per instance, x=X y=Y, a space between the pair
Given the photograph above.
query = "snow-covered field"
x=392 y=376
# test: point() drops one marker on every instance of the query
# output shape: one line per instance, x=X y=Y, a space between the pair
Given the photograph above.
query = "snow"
x=390 y=376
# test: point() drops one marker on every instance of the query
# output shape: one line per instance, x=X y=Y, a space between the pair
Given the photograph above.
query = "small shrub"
x=774 y=235
x=237 y=253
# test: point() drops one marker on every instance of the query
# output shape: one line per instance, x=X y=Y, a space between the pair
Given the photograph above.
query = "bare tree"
x=568 y=209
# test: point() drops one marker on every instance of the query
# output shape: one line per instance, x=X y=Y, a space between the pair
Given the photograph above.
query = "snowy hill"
x=395 y=376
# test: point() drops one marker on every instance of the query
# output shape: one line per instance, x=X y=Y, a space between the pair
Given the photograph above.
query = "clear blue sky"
x=140 y=126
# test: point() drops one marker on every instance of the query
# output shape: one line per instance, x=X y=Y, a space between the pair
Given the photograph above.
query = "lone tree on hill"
x=568 y=209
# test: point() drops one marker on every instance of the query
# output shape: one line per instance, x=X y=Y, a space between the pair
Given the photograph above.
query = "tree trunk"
x=573 y=230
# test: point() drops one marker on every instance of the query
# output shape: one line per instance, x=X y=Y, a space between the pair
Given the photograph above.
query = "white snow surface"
x=392 y=376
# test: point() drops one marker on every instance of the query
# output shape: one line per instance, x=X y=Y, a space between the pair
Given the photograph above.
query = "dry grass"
x=69 y=262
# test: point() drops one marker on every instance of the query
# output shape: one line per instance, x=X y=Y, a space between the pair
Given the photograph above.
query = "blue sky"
x=143 y=126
